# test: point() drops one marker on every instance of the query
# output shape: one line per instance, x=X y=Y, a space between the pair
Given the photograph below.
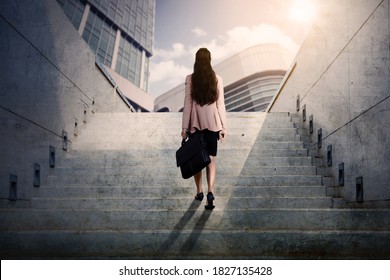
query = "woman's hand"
x=184 y=133
x=222 y=135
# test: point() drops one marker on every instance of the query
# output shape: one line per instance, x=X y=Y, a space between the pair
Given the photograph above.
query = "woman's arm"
x=187 y=107
x=221 y=106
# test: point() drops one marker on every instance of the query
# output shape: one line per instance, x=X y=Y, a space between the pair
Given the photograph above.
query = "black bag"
x=192 y=156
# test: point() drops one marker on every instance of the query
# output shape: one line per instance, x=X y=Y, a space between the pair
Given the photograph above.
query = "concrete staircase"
x=119 y=194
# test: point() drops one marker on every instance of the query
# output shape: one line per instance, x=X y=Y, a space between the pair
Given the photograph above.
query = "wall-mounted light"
x=311 y=125
x=52 y=157
x=64 y=140
x=76 y=127
x=329 y=155
x=13 y=184
x=341 y=174
x=319 y=137
x=37 y=175
x=85 y=114
x=359 y=189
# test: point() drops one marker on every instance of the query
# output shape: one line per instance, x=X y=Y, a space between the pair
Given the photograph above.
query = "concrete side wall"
x=48 y=82
x=342 y=76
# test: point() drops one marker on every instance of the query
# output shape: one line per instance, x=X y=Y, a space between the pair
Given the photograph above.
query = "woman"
x=204 y=110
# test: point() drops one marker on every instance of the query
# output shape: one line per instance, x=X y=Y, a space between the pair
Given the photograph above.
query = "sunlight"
x=302 y=10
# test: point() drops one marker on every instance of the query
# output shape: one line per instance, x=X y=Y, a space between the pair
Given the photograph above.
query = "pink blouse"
x=211 y=117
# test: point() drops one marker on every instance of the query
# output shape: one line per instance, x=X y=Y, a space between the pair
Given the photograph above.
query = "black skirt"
x=211 y=138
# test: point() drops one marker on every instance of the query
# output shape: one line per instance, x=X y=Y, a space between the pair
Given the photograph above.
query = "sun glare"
x=302 y=10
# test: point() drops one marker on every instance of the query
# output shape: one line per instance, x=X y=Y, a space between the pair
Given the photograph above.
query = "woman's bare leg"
x=198 y=182
x=211 y=171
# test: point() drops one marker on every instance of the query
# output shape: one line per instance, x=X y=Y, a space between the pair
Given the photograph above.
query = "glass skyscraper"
x=119 y=32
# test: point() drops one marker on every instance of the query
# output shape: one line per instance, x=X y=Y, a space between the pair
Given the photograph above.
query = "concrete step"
x=267 y=145
x=195 y=243
x=138 y=170
x=261 y=152
x=286 y=123
x=104 y=121
x=277 y=131
x=126 y=142
x=142 y=169
x=278 y=115
x=278 y=170
x=280 y=180
x=275 y=137
x=139 y=162
x=162 y=133
x=142 y=157
x=278 y=161
x=83 y=156
x=178 y=116
x=341 y=203
x=176 y=181
x=221 y=219
x=169 y=153
x=165 y=192
x=176 y=203
x=226 y=164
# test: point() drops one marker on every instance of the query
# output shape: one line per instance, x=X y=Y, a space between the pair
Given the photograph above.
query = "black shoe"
x=199 y=196
x=210 y=201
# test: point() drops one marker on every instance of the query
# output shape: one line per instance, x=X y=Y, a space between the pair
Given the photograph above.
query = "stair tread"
x=201 y=209
x=231 y=231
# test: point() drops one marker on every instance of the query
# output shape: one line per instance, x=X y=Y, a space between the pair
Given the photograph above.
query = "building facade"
x=120 y=33
x=251 y=78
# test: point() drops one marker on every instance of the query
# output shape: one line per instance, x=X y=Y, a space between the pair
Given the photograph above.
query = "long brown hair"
x=204 y=80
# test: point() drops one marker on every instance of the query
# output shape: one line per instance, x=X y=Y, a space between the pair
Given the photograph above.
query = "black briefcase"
x=192 y=156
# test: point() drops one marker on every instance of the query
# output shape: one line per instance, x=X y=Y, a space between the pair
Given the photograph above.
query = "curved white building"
x=251 y=78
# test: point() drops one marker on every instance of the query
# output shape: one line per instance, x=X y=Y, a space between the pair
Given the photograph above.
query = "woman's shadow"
x=177 y=233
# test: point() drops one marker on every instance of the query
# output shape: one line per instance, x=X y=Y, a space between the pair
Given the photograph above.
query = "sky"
x=225 y=27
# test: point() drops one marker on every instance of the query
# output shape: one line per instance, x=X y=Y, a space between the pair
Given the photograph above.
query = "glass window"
x=73 y=9
x=97 y=25
x=104 y=6
x=87 y=32
x=69 y=8
x=93 y=42
x=61 y=3
x=100 y=36
x=111 y=11
x=146 y=75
